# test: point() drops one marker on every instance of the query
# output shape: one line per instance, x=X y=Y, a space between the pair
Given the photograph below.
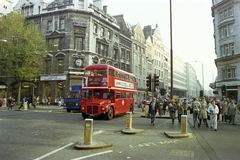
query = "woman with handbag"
x=172 y=107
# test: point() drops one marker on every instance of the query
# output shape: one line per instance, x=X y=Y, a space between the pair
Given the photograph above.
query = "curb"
x=94 y=145
x=132 y=131
x=178 y=135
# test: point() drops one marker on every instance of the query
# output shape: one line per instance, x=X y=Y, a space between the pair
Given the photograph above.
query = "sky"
x=192 y=28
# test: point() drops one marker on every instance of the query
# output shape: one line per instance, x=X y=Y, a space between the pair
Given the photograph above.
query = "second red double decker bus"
x=107 y=91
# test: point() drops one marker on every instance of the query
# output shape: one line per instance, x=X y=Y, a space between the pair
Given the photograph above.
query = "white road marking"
x=98 y=132
x=48 y=154
x=92 y=155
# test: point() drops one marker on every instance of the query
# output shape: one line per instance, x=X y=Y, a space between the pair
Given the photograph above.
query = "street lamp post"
x=171 y=51
x=202 y=76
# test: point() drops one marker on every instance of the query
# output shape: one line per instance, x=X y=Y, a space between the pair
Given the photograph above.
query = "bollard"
x=25 y=106
x=184 y=124
x=88 y=132
x=129 y=120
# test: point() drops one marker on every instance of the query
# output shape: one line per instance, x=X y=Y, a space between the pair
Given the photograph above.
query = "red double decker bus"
x=107 y=91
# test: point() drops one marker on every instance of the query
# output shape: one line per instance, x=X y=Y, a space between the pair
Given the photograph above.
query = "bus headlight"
x=103 y=108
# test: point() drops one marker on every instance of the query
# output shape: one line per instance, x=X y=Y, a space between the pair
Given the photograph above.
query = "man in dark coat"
x=153 y=107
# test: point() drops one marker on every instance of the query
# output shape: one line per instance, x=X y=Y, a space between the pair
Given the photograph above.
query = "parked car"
x=1 y=102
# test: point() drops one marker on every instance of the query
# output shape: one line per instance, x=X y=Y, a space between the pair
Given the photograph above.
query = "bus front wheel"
x=110 y=113
x=68 y=110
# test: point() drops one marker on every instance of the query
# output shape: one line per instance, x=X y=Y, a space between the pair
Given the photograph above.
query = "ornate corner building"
x=77 y=33
x=227 y=47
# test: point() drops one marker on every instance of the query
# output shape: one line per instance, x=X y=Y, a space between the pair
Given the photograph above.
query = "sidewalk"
x=42 y=107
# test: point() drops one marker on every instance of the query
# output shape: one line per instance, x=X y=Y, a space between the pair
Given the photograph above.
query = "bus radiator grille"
x=92 y=109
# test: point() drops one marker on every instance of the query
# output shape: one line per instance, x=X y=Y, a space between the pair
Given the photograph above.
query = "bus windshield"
x=97 y=94
x=72 y=94
x=86 y=94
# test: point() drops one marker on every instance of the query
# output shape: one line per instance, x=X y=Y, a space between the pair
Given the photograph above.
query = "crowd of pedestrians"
x=206 y=112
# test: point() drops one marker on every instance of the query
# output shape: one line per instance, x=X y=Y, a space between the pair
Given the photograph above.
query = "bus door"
x=119 y=103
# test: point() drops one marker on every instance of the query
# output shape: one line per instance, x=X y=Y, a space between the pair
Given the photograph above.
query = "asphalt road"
x=50 y=133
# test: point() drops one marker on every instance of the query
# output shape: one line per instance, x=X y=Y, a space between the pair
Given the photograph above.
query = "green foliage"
x=23 y=49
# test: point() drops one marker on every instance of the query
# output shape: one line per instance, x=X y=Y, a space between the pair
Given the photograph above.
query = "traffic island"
x=88 y=141
x=129 y=129
x=184 y=127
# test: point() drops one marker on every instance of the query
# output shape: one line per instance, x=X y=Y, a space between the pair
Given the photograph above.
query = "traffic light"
x=156 y=81
x=223 y=90
x=148 y=83
x=163 y=91
x=201 y=93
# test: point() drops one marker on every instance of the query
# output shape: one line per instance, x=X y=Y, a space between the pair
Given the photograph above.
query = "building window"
x=102 y=32
x=109 y=35
x=49 y=25
x=115 y=54
x=226 y=13
x=81 y=4
x=47 y=66
x=61 y=43
x=79 y=43
x=55 y=44
x=128 y=55
x=128 y=68
x=227 y=49
x=102 y=49
x=229 y=73
x=62 y=23
x=231 y=47
x=95 y=28
x=226 y=31
x=123 y=66
x=123 y=54
x=56 y=24
x=60 y=66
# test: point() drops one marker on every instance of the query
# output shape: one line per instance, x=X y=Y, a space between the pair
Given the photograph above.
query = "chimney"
x=105 y=8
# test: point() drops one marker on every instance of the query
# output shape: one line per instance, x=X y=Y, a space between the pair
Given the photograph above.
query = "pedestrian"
x=195 y=107
x=34 y=102
x=4 y=102
x=160 y=110
x=10 y=105
x=165 y=106
x=172 y=107
x=232 y=110
x=219 y=117
x=213 y=110
x=153 y=107
x=144 y=103
x=224 y=108
x=185 y=106
x=203 y=112
x=22 y=103
x=49 y=101
x=180 y=111
x=37 y=100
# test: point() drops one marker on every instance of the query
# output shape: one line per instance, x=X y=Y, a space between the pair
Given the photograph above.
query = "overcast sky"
x=192 y=28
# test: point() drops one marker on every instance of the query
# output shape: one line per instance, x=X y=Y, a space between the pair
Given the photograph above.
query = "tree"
x=23 y=50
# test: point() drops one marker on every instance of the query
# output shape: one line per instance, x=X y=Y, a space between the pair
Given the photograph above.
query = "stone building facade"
x=227 y=47
x=77 y=34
